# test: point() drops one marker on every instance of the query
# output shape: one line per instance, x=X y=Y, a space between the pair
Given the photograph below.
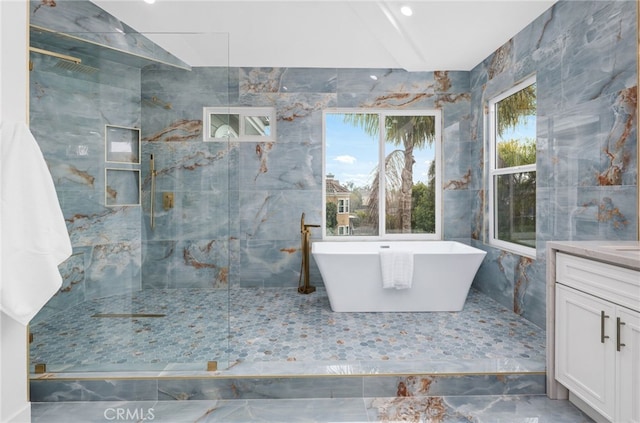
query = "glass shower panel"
x=135 y=295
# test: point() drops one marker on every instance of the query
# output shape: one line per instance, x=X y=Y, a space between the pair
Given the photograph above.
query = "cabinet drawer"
x=613 y=283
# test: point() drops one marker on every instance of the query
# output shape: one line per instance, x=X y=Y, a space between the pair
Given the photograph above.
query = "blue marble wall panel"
x=212 y=388
x=456 y=206
x=69 y=111
x=280 y=166
x=249 y=388
x=530 y=295
x=114 y=269
x=427 y=385
x=84 y=20
x=584 y=57
x=288 y=80
x=271 y=184
x=190 y=245
x=495 y=276
x=93 y=390
x=72 y=291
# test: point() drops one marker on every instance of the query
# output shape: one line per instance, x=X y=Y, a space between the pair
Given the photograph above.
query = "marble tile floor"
x=458 y=409
x=279 y=331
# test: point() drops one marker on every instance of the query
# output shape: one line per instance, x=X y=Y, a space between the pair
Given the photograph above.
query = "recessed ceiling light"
x=150 y=1
x=406 y=10
x=375 y=78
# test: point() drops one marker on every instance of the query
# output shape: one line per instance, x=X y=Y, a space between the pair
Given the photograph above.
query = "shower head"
x=75 y=67
x=66 y=62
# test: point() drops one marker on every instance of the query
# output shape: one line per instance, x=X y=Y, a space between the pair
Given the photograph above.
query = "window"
x=239 y=124
x=343 y=206
x=343 y=230
x=512 y=190
x=382 y=174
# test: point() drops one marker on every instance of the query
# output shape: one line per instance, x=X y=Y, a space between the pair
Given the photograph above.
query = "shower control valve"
x=167 y=200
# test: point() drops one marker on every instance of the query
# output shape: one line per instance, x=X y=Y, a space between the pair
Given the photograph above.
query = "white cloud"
x=345 y=159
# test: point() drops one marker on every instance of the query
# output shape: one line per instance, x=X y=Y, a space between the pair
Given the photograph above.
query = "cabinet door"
x=585 y=348
x=628 y=367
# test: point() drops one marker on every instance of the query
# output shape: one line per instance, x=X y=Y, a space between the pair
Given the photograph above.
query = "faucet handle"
x=303 y=226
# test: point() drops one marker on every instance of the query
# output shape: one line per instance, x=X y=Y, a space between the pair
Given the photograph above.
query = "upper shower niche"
x=82 y=28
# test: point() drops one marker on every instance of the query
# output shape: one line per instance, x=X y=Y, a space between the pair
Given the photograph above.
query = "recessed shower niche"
x=122 y=144
x=122 y=187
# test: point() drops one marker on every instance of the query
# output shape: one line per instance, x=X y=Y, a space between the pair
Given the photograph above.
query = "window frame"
x=242 y=113
x=437 y=145
x=494 y=171
x=343 y=205
x=343 y=230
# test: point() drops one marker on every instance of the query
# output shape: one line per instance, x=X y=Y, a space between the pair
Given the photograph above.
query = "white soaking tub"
x=351 y=271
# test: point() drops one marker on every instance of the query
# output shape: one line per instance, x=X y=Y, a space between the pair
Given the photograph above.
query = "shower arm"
x=56 y=55
x=152 y=169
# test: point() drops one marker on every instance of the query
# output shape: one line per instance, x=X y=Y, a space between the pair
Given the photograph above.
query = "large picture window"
x=382 y=174
x=512 y=191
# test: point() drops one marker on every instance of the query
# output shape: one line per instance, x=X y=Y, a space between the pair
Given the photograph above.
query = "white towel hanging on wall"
x=34 y=235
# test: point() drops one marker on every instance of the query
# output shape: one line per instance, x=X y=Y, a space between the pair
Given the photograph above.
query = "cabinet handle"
x=619 y=324
x=602 y=335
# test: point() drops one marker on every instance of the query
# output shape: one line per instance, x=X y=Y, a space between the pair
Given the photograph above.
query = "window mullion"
x=382 y=179
x=514 y=169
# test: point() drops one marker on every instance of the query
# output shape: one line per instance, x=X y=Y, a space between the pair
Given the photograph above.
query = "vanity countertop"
x=623 y=253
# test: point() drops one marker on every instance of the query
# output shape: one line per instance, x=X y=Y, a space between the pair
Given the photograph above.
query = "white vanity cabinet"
x=628 y=368
x=597 y=335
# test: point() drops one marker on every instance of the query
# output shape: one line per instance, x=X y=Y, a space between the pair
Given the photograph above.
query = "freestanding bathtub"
x=442 y=275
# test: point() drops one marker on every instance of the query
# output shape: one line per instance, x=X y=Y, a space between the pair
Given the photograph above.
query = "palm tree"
x=515 y=108
x=409 y=132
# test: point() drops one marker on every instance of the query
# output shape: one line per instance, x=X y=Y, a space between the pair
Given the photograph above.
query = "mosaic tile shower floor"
x=270 y=327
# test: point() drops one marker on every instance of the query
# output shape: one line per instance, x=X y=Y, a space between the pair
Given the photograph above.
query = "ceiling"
x=440 y=35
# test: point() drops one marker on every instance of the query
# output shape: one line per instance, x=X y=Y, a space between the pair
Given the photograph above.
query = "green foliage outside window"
x=331 y=215
x=514 y=183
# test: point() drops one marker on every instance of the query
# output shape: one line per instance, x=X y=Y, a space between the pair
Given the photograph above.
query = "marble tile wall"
x=209 y=388
x=69 y=111
x=68 y=114
x=248 y=197
x=584 y=55
x=85 y=21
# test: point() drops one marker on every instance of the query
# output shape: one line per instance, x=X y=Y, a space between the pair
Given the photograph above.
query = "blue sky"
x=351 y=155
x=525 y=130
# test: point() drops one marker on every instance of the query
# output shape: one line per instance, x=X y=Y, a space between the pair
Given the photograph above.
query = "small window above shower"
x=239 y=124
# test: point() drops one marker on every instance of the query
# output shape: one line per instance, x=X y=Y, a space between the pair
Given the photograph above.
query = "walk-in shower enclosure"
x=105 y=99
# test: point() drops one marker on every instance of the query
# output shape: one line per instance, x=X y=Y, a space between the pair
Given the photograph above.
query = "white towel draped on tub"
x=397 y=268
x=34 y=235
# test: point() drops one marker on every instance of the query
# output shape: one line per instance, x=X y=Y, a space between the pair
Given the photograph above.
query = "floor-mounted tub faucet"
x=305 y=288
x=152 y=197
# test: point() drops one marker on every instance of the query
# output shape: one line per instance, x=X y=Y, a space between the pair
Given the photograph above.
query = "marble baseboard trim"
x=298 y=387
x=306 y=369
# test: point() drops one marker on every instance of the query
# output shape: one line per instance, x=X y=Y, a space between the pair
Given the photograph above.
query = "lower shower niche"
x=122 y=187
